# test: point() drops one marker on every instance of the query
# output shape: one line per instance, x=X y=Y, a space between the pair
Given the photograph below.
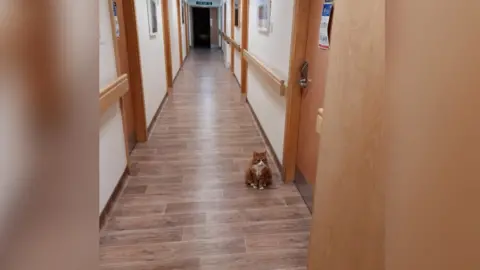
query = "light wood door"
x=123 y=68
x=347 y=230
x=312 y=97
x=214 y=27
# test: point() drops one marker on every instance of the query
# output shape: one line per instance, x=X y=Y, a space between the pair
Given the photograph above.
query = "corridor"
x=185 y=205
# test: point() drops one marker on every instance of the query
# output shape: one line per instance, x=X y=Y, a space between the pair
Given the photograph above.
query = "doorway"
x=314 y=60
x=122 y=13
x=214 y=27
x=201 y=27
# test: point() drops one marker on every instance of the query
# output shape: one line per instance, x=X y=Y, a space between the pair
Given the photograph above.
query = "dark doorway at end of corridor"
x=201 y=27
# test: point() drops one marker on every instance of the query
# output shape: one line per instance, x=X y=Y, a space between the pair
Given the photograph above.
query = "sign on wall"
x=152 y=8
x=115 y=19
x=324 y=39
x=203 y=3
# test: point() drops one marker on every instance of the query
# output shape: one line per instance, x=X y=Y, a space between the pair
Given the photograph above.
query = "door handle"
x=304 y=80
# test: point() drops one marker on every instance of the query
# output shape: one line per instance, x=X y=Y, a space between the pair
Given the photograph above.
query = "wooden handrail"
x=232 y=42
x=236 y=45
x=112 y=93
x=281 y=83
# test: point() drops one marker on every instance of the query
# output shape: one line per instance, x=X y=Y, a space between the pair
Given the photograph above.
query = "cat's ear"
x=254 y=154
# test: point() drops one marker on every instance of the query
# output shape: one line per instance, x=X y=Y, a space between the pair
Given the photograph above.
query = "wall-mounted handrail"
x=231 y=41
x=236 y=45
x=113 y=92
x=281 y=83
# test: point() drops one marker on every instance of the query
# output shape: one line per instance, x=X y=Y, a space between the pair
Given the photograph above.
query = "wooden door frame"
x=128 y=27
x=167 y=46
x=225 y=18
x=118 y=72
x=179 y=23
x=187 y=28
x=245 y=21
x=232 y=35
x=298 y=49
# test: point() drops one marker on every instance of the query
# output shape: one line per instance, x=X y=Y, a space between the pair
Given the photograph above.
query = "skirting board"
x=305 y=189
x=178 y=71
x=123 y=180
x=157 y=113
x=235 y=76
x=267 y=141
x=113 y=198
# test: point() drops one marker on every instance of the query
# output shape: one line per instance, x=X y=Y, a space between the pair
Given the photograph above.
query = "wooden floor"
x=186 y=206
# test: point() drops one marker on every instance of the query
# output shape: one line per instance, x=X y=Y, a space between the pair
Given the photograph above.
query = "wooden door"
x=122 y=68
x=348 y=222
x=214 y=27
x=312 y=97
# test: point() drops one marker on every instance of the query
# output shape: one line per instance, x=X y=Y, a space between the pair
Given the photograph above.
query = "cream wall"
x=152 y=59
x=273 y=49
x=174 y=41
x=190 y=27
x=226 y=48
x=183 y=28
x=220 y=23
x=113 y=159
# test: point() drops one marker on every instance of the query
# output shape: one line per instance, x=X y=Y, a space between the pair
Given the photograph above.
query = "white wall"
x=220 y=24
x=238 y=39
x=190 y=26
x=107 y=66
x=226 y=47
x=175 y=44
x=183 y=28
x=113 y=160
x=152 y=59
x=274 y=50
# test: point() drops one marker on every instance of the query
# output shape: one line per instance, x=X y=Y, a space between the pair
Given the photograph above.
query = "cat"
x=258 y=174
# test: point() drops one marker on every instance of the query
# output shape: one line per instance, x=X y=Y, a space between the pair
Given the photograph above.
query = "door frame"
x=179 y=23
x=167 y=46
x=128 y=29
x=244 y=24
x=232 y=35
x=298 y=49
x=187 y=27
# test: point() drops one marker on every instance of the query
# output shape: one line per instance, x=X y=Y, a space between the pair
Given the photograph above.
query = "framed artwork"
x=263 y=15
x=152 y=8
x=237 y=13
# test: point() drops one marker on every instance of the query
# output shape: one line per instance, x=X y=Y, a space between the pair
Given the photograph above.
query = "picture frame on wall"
x=152 y=8
x=237 y=13
x=263 y=15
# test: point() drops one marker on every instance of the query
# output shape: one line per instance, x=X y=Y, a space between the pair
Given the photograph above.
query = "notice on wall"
x=324 y=39
x=115 y=19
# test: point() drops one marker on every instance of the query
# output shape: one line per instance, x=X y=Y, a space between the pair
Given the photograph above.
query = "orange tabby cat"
x=258 y=174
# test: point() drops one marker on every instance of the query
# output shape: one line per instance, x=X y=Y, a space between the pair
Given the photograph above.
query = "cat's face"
x=259 y=157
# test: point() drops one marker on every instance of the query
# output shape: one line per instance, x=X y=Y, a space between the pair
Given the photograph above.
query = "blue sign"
x=324 y=40
x=327 y=9
x=114 y=8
